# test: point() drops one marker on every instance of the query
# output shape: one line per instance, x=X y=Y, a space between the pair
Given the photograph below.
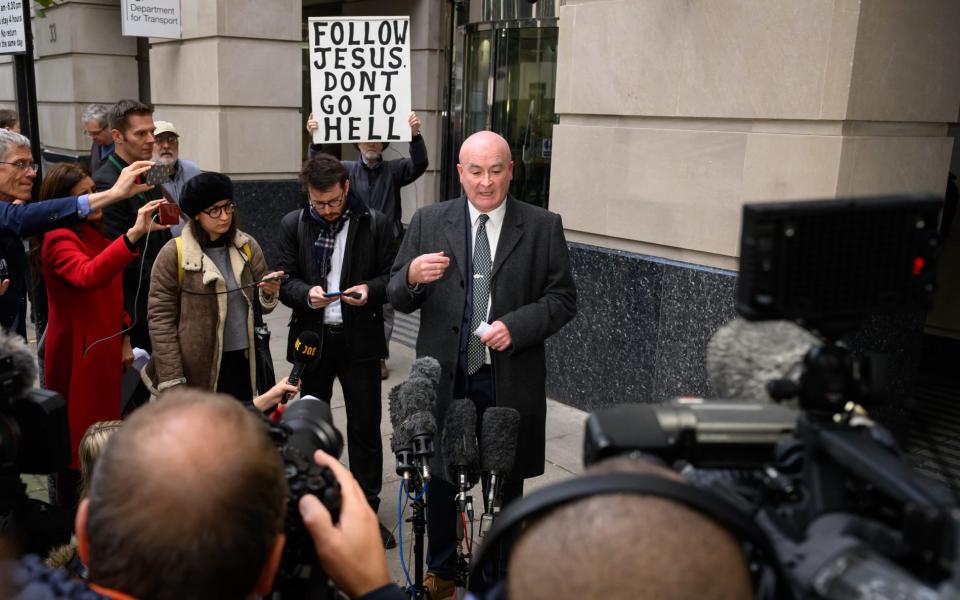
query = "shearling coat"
x=532 y=292
x=187 y=329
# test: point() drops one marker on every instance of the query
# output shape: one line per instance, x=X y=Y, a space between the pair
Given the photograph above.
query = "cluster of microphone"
x=490 y=459
x=412 y=407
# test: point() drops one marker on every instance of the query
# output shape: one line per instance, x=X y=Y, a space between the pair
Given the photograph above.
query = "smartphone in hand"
x=169 y=213
x=159 y=173
x=332 y=294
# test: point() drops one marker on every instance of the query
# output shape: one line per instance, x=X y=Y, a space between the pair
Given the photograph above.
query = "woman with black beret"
x=202 y=291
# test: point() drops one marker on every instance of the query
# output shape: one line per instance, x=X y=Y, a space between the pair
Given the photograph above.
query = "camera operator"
x=188 y=501
x=651 y=548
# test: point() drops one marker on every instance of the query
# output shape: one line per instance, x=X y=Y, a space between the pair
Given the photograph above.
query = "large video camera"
x=847 y=517
x=305 y=427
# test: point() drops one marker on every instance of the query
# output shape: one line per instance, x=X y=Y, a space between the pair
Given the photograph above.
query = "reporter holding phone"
x=85 y=352
x=200 y=305
x=338 y=253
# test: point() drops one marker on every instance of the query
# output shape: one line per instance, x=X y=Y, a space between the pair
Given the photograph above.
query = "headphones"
x=762 y=561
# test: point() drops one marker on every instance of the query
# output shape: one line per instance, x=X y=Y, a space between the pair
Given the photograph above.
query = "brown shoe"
x=438 y=587
x=384 y=371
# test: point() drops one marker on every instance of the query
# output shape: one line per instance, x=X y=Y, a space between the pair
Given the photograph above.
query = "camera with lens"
x=305 y=427
x=846 y=515
x=34 y=439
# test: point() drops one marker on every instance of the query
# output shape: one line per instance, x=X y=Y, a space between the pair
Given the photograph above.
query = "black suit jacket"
x=532 y=293
x=369 y=254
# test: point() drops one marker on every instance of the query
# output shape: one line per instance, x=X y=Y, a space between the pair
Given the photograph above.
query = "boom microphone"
x=459 y=444
x=498 y=445
x=305 y=350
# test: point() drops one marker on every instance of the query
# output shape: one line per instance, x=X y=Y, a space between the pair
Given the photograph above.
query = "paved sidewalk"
x=563 y=451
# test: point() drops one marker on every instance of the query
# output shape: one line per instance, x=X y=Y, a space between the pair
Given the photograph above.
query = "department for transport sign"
x=360 y=78
x=11 y=27
x=151 y=18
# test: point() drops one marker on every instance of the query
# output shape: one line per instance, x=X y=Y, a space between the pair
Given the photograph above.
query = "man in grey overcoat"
x=486 y=263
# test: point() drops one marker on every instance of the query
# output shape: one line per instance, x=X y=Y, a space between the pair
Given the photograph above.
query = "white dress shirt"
x=493 y=226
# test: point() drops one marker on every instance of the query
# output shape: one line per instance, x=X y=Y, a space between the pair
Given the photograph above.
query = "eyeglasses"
x=166 y=139
x=216 y=211
x=22 y=165
x=93 y=134
x=329 y=204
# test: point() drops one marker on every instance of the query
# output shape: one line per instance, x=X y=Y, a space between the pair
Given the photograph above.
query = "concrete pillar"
x=81 y=58
x=232 y=86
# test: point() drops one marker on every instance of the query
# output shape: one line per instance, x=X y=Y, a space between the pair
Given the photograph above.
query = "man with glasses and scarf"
x=338 y=253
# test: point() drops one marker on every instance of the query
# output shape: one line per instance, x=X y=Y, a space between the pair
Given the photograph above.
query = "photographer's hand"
x=350 y=552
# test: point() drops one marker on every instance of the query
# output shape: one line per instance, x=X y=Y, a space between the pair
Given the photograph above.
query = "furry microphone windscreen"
x=498 y=439
x=459 y=439
x=427 y=367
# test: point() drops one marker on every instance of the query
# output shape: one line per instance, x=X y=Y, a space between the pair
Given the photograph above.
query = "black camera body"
x=305 y=427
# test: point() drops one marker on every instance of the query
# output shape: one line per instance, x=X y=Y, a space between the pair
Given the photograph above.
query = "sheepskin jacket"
x=186 y=322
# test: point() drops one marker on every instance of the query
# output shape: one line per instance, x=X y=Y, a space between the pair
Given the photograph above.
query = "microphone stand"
x=464 y=505
x=491 y=506
x=419 y=521
x=414 y=483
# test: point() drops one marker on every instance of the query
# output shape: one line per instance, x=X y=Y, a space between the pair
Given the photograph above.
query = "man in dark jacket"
x=96 y=125
x=377 y=182
x=17 y=172
x=492 y=280
x=131 y=125
x=338 y=254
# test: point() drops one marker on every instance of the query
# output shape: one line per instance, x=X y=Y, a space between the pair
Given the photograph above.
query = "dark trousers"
x=234 y=377
x=361 y=394
x=441 y=495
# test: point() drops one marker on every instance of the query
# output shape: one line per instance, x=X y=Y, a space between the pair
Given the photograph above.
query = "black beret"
x=203 y=191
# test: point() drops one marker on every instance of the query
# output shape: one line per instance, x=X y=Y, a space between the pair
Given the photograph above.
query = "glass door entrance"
x=505 y=80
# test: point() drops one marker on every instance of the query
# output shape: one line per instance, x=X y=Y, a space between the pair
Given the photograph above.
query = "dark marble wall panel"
x=694 y=302
x=261 y=205
x=606 y=354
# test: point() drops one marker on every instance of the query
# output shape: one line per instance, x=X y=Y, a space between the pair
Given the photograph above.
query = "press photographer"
x=188 y=501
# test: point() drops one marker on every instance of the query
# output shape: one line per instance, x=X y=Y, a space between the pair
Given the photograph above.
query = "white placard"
x=12 y=40
x=360 y=78
x=151 y=18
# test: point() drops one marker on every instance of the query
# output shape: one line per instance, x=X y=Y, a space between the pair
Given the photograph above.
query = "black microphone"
x=305 y=349
x=428 y=368
x=458 y=442
x=498 y=450
x=401 y=442
x=418 y=397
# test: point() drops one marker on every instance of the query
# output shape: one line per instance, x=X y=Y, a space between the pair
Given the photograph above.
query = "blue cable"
x=403 y=564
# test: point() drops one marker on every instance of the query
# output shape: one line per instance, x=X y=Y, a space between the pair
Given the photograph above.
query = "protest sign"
x=360 y=78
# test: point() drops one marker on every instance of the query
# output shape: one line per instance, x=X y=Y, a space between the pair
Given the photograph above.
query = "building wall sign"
x=151 y=18
x=360 y=78
x=12 y=40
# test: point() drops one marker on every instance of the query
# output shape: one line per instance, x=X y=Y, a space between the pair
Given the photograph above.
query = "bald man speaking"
x=491 y=277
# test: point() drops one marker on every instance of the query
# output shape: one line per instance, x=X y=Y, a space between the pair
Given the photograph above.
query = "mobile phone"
x=332 y=294
x=169 y=213
x=158 y=173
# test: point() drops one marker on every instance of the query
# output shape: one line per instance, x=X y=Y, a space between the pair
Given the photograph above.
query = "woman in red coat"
x=85 y=354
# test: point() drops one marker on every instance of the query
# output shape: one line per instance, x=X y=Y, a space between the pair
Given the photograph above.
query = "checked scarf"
x=323 y=247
